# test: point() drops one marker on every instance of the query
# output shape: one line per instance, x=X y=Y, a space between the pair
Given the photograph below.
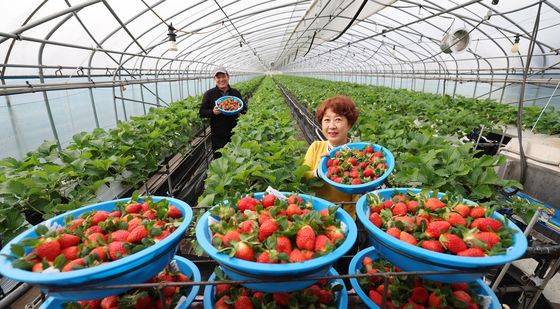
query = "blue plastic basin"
x=341 y=301
x=186 y=267
x=238 y=269
x=230 y=113
x=356 y=265
x=364 y=187
x=137 y=267
x=413 y=258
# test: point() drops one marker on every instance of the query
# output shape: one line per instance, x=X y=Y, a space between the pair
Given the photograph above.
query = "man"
x=220 y=125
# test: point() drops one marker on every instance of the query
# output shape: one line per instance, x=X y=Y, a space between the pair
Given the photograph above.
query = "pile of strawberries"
x=275 y=230
x=98 y=237
x=354 y=167
x=319 y=295
x=445 y=225
x=412 y=292
x=229 y=104
x=141 y=298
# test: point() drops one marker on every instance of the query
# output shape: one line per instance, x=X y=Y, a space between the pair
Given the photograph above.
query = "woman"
x=336 y=115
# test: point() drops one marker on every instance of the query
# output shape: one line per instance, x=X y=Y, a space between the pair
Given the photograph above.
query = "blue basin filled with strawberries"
x=134 y=267
x=389 y=165
x=249 y=269
x=367 y=296
x=184 y=266
x=410 y=257
x=340 y=296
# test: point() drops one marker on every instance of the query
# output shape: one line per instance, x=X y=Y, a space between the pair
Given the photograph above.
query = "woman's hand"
x=216 y=110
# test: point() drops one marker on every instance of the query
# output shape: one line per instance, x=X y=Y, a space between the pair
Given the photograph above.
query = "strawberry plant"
x=141 y=297
x=323 y=294
x=414 y=292
x=354 y=167
x=97 y=237
x=443 y=225
x=272 y=230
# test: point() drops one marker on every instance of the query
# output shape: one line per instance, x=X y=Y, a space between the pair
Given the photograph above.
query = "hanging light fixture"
x=172 y=37
x=393 y=51
x=515 y=46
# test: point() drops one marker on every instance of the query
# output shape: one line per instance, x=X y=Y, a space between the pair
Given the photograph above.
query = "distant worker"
x=221 y=125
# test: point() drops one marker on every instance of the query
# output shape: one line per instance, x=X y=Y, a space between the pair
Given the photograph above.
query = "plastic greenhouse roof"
x=392 y=37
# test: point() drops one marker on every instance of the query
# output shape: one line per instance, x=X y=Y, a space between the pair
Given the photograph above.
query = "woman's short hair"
x=341 y=105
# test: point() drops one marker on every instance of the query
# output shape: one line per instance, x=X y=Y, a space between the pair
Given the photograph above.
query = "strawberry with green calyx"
x=486 y=224
x=305 y=238
x=453 y=243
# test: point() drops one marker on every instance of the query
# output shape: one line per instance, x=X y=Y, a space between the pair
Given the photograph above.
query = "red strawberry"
x=267 y=229
x=245 y=227
x=119 y=235
x=101 y=253
x=356 y=181
x=463 y=209
x=38 y=267
x=258 y=295
x=368 y=172
x=399 y=209
x=265 y=257
x=243 y=302
x=377 y=208
x=334 y=233
x=244 y=251
x=453 y=243
x=323 y=244
x=116 y=250
x=182 y=278
x=133 y=208
x=283 y=245
x=406 y=237
x=408 y=222
x=163 y=235
x=436 y=228
x=222 y=304
x=292 y=210
x=143 y=302
x=434 y=301
x=432 y=245
x=472 y=252
x=395 y=232
x=411 y=205
x=93 y=229
x=263 y=216
x=486 y=224
x=222 y=289
x=230 y=237
x=48 y=249
x=305 y=238
x=110 y=302
x=295 y=199
x=74 y=264
x=462 y=296
x=375 y=218
x=145 y=206
x=477 y=212
x=323 y=212
x=132 y=224
x=137 y=234
x=456 y=219
x=174 y=212
x=99 y=216
x=376 y=297
x=70 y=253
x=281 y=298
x=489 y=238
x=116 y=214
x=434 y=203
x=268 y=200
x=297 y=256
x=388 y=203
x=325 y=297
x=419 y=295
x=68 y=240
x=150 y=214
x=74 y=224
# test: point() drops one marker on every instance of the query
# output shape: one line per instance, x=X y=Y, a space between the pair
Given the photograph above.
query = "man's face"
x=222 y=80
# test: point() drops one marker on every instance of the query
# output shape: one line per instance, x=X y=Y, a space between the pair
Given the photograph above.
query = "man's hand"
x=216 y=110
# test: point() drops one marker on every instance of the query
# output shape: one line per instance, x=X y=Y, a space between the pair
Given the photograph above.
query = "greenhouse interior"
x=280 y=154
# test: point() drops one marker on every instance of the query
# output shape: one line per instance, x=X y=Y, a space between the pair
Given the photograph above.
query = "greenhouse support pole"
x=522 y=158
x=545 y=107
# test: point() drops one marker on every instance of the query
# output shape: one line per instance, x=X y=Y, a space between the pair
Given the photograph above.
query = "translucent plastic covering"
x=110 y=59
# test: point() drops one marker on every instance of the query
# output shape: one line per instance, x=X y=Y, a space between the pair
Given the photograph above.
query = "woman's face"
x=335 y=128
